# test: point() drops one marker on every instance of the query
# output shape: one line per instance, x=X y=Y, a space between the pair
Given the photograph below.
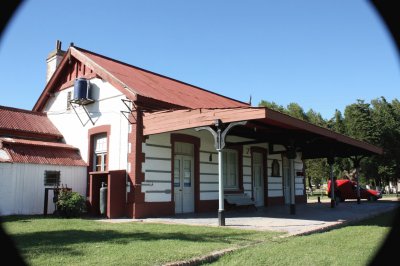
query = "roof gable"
x=134 y=82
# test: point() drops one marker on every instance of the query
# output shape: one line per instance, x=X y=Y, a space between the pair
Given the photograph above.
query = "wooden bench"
x=239 y=200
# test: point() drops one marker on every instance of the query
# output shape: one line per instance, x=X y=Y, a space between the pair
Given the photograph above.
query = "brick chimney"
x=53 y=60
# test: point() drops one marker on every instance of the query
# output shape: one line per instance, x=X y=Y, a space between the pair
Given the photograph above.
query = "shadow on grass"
x=50 y=242
x=391 y=240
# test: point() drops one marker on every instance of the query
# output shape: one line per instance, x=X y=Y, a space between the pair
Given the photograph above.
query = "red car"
x=347 y=189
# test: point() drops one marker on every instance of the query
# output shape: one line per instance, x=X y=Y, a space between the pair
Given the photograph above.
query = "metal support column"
x=219 y=143
x=333 y=197
x=221 y=212
x=358 y=182
x=292 y=187
x=291 y=155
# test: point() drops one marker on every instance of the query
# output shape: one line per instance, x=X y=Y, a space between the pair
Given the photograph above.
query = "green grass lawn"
x=57 y=241
x=352 y=245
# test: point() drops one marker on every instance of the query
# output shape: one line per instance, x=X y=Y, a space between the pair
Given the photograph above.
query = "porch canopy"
x=263 y=125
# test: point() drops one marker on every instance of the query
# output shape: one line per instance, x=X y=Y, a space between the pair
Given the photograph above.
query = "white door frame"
x=258 y=178
x=183 y=184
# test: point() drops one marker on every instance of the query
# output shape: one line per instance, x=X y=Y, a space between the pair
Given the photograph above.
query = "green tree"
x=295 y=110
x=358 y=122
x=337 y=123
x=317 y=170
x=386 y=117
x=273 y=106
x=377 y=123
x=316 y=118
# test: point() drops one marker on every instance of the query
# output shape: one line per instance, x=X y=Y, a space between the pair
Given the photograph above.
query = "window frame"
x=227 y=167
x=101 y=166
x=57 y=178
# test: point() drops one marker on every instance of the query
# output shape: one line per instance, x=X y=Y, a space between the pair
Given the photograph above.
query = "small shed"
x=33 y=161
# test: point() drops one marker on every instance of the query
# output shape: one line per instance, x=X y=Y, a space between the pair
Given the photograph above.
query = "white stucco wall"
x=106 y=110
x=22 y=186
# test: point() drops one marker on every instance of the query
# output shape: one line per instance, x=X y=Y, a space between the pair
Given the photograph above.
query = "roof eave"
x=173 y=120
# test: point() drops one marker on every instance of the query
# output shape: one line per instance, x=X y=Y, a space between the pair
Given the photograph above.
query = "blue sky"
x=322 y=55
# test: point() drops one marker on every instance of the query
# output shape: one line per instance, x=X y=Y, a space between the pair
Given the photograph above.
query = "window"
x=230 y=169
x=52 y=178
x=275 y=168
x=100 y=153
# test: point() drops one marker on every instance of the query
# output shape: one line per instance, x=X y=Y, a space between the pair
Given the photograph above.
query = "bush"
x=70 y=204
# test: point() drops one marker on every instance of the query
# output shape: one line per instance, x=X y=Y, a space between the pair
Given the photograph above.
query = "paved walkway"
x=309 y=217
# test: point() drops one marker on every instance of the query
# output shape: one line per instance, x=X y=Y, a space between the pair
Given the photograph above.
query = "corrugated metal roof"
x=18 y=120
x=162 y=88
x=40 y=152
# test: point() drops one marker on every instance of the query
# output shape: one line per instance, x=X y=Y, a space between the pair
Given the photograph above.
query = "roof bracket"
x=86 y=111
x=131 y=107
x=126 y=115
x=129 y=104
x=221 y=132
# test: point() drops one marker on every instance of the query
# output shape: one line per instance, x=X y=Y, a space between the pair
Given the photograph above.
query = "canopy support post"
x=333 y=197
x=219 y=142
x=357 y=165
x=291 y=155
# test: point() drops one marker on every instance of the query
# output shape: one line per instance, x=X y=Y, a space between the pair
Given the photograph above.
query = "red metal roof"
x=23 y=121
x=40 y=152
x=158 y=87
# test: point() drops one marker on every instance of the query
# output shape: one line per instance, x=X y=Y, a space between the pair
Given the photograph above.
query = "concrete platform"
x=310 y=217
